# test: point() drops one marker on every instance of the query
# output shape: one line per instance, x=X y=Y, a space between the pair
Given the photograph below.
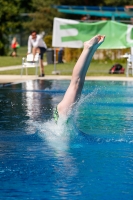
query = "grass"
x=12 y=61
x=97 y=68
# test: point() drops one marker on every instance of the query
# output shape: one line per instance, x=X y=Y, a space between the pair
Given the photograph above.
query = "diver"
x=78 y=77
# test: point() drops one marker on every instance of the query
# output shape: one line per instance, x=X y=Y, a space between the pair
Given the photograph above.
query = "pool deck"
x=12 y=79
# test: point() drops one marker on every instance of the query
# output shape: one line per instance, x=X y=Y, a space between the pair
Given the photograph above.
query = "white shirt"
x=37 y=42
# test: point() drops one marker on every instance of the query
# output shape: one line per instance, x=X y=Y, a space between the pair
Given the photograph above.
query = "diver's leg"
x=78 y=76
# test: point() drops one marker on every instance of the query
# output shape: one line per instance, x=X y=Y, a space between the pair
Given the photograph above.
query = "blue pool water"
x=90 y=157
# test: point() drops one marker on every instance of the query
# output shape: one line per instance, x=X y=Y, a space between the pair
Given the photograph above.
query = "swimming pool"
x=90 y=157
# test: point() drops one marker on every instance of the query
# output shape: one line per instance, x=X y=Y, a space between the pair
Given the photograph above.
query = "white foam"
x=56 y=135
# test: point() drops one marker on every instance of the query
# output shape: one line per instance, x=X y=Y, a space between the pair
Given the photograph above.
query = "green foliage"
x=48 y=40
x=81 y=3
x=97 y=2
x=25 y=6
x=117 y=3
x=11 y=20
x=9 y=14
x=72 y=54
x=42 y=18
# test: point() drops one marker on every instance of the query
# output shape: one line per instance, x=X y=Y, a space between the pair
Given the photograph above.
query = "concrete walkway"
x=10 y=68
x=14 y=67
x=4 y=79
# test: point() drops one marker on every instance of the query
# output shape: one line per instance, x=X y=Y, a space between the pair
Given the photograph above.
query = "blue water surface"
x=89 y=157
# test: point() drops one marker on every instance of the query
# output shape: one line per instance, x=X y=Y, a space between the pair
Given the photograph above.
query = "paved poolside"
x=5 y=79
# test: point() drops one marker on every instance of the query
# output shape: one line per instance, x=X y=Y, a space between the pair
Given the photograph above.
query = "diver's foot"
x=101 y=40
x=90 y=43
x=94 y=42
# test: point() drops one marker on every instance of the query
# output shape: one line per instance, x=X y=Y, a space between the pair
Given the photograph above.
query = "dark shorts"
x=42 y=51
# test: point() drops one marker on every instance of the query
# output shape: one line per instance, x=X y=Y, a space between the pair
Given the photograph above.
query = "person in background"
x=60 y=55
x=14 y=46
x=37 y=44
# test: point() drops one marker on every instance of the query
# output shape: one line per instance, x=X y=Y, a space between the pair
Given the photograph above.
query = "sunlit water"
x=89 y=157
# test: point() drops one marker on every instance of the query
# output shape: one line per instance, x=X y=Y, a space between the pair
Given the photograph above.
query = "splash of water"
x=99 y=129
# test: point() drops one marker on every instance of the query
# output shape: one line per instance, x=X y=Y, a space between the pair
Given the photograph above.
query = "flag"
x=73 y=34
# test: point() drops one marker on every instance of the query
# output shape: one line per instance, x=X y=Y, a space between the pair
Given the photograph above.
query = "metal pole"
x=54 y=59
x=55 y=72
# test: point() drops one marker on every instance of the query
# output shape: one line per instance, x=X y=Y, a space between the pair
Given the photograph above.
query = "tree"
x=42 y=17
x=9 y=21
x=97 y=2
x=117 y=3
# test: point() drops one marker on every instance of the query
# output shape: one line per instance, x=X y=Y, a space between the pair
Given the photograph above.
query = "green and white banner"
x=72 y=33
